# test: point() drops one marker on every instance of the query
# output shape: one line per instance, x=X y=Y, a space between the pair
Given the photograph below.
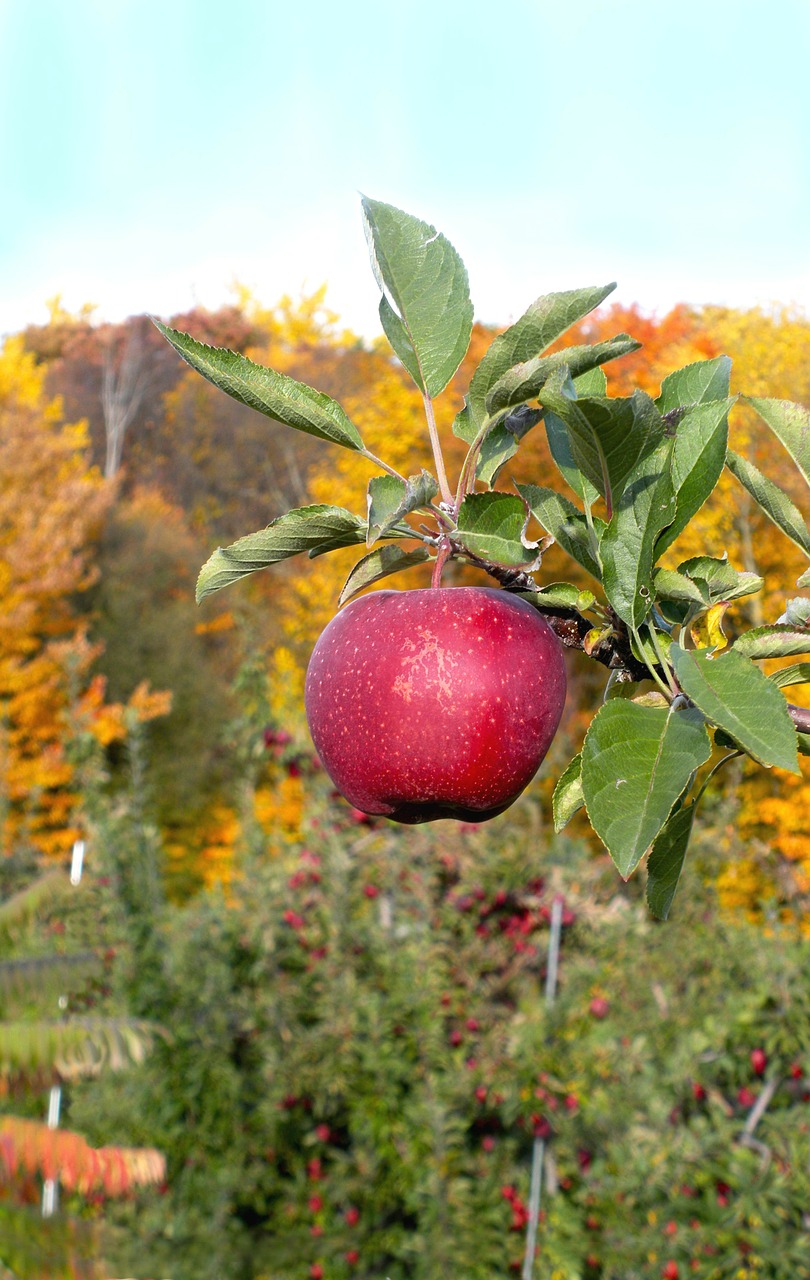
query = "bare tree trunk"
x=122 y=390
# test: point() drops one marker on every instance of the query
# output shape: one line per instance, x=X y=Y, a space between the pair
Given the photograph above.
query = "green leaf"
x=568 y=797
x=628 y=545
x=718 y=581
x=39 y=976
x=666 y=859
x=797 y=612
x=776 y=504
x=695 y=384
x=565 y=523
x=273 y=394
x=317 y=528
x=636 y=762
x=493 y=526
x=804 y=580
x=609 y=437
x=804 y=743
x=380 y=563
x=559 y=442
x=736 y=696
x=668 y=584
x=397 y=335
x=698 y=458
x=389 y=500
x=563 y=595
x=543 y=323
x=775 y=641
x=82 y=1046
x=424 y=278
x=501 y=443
x=797 y=673
x=790 y=423
x=523 y=381
x=592 y=383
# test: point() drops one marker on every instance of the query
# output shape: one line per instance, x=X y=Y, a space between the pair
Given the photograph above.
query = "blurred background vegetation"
x=334 y=1030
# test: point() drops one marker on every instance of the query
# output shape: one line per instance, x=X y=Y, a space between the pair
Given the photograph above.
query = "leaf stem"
x=665 y=689
x=659 y=653
x=438 y=457
x=466 y=480
x=372 y=457
x=732 y=755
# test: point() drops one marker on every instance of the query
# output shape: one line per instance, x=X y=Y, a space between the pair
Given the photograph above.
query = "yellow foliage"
x=51 y=503
x=390 y=417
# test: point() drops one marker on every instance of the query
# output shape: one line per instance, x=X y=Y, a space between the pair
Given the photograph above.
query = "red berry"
x=352 y=1257
x=571 y=1102
x=759 y=1061
x=796 y=1071
x=488 y=1143
x=670 y=1271
x=456 y=1037
x=472 y=1024
x=698 y=1092
x=481 y=1093
x=370 y=890
x=352 y=1216
x=316 y=1271
x=599 y=1007
x=746 y=1097
x=315 y=1204
x=323 y=1133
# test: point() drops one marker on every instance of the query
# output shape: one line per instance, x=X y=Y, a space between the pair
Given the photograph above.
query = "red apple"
x=438 y=703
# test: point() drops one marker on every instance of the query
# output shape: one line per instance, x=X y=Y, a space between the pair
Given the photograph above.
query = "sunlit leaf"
x=736 y=696
x=429 y=319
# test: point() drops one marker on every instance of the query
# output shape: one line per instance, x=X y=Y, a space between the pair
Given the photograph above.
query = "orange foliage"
x=32 y=1148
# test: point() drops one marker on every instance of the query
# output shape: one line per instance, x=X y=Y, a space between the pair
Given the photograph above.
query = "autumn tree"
x=51 y=505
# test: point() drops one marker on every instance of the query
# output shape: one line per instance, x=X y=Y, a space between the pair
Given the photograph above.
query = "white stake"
x=50 y=1187
x=539 y=1148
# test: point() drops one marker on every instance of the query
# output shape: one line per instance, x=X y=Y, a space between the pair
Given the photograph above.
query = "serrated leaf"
x=565 y=523
x=609 y=437
x=695 y=383
x=776 y=504
x=318 y=527
x=397 y=335
x=524 y=381
x=645 y=507
x=592 y=383
x=568 y=798
x=380 y=563
x=736 y=696
x=717 y=580
x=797 y=612
x=274 y=394
x=797 y=673
x=671 y=585
x=636 y=762
x=790 y=423
x=559 y=442
x=773 y=641
x=540 y=325
x=493 y=526
x=390 y=499
x=698 y=456
x=666 y=860
x=426 y=281
x=501 y=443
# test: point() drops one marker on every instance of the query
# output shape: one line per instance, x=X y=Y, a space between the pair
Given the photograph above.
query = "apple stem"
x=438 y=457
x=445 y=552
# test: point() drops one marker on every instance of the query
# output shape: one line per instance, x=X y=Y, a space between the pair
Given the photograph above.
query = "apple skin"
x=436 y=703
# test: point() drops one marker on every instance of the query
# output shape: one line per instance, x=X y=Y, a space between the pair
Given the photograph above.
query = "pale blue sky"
x=151 y=153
